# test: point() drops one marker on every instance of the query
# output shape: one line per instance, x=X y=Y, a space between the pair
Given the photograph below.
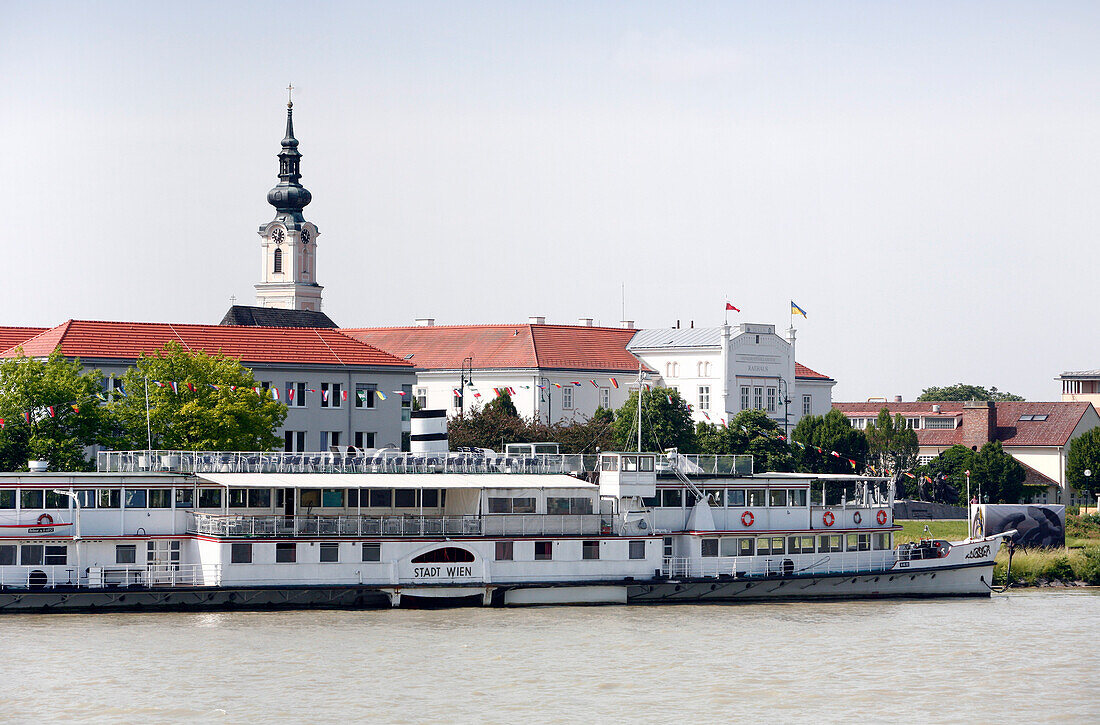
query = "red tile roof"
x=127 y=340
x=801 y=371
x=1062 y=419
x=555 y=347
x=12 y=336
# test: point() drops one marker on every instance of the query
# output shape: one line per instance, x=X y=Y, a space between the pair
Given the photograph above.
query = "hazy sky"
x=922 y=178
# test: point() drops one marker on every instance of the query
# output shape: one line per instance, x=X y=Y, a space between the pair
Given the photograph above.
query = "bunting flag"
x=594 y=383
x=159 y=384
x=834 y=454
x=557 y=385
x=455 y=391
x=258 y=390
x=647 y=387
x=233 y=388
x=290 y=394
x=511 y=391
x=380 y=394
x=101 y=396
x=669 y=399
x=311 y=390
x=324 y=395
x=76 y=409
x=190 y=386
x=574 y=382
x=344 y=395
x=783 y=438
x=614 y=383
x=53 y=413
x=27 y=415
x=723 y=422
x=214 y=387
x=853 y=463
x=731 y=307
x=910 y=475
x=275 y=393
x=121 y=391
x=1 y=422
x=402 y=393
x=477 y=394
x=705 y=415
x=175 y=388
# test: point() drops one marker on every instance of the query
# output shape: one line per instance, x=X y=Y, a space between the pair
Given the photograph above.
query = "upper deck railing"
x=169 y=461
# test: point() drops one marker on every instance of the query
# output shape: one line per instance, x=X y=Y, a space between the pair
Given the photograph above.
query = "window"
x=715 y=497
x=755 y=497
x=7 y=555
x=294 y=441
x=429 y=498
x=735 y=497
x=912 y=423
x=381 y=497
x=859 y=542
x=771 y=399
x=504 y=551
x=109 y=498
x=238 y=498
x=422 y=398
x=758 y=398
x=86 y=497
x=544 y=550
x=7 y=498
x=940 y=423
x=807 y=404
x=365 y=395
x=499 y=505
x=704 y=397
x=671 y=498
x=372 y=552
x=185 y=498
x=763 y=546
x=777 y=497
x=744 y=397
x=330 y=395
x=559 y=505
x=590 y=550
x=881 y=542
x=709 y=547
x=364 y=439
x=296 y=395
x=277 y=261
x=796 y=497
x=666 y=545
x=240 y=554
x=30 y=499
x=332 y=498
x=637 y=549
x=135 y=498
x=330 y=553
x=404 y=498
x=924 y=460
x=31 y=554
x=456 y=401
x=286 y=553
x=209 y=498
x=125 y=553
x=567 y=397
x=56 y=500
x=1033 y=417
x=605 y=398
x=160 y=498
x=406 y=399
x=259 y=498
x=830 y=542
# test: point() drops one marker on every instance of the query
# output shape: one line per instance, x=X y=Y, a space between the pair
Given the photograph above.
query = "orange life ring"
x=828 y=519
x=857 y=517
x=747 y=518
x=45 y=520
x=881 y=517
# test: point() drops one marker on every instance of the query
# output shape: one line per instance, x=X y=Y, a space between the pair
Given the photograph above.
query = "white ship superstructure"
x=184 y=529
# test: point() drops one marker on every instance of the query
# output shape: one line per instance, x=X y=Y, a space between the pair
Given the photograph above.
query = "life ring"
x=747 y=518
x=45 y=520
x=857 y=517
x=881 y=517
x=828 y=519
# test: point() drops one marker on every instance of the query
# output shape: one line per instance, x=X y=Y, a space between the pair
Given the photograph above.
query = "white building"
x=721 y=371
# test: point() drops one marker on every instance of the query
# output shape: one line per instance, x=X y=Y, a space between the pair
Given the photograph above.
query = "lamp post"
x=466 y=378
x=545 y=382
x=1088 y=474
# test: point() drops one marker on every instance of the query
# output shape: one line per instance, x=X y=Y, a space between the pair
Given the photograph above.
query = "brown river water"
x=1027 y=656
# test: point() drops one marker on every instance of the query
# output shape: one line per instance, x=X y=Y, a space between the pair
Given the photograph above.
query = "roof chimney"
x=536 y=320
x=897 y=398
x=425 y=322
x=584 y=321
x=627 y=324
x=979 y=423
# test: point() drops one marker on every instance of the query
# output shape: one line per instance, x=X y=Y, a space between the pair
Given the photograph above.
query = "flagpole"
x=148 y=422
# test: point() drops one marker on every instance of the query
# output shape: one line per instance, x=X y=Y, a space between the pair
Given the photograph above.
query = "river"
x=1029 y=655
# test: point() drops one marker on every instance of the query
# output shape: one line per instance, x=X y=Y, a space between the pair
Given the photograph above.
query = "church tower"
x=288 y=242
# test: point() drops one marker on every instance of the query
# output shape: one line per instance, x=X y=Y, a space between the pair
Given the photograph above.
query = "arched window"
x=278 y=260
x=445 y=555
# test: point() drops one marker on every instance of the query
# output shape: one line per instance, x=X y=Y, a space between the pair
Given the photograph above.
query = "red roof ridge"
x=493 y=325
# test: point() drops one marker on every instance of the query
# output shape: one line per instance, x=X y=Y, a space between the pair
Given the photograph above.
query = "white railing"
x=148 y=576
x=747 y=567
x=232 y=525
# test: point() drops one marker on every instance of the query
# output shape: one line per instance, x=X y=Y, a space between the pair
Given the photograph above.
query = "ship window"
x=829 y=542
x=630 y=463
x=429 y=498
x=259 y=498
x=238 y=498
x=651 y=501
x=31 y=554
x=561 y=506
x=777 y=544
x=209 y=498
x=796 y=497
x=286 y=553
x=715 y=497
x=125 y=553
x=372 y=552
x=30 y=499
x=746 y=547
x=7 y=555
x=729 y=546
x=666 y=543
x=332 y=497
x=160 y=498
x=544 y=550
x=763 y=546
x=135 y=498
x=240 y=554
x=710 y=547
x=807 y=544
x=56 y=500
x=881 y=541
x=609 y=463
x=735 y=497
x=444 y=555
x=381 y=497
x=755 y=497
x=330 y=553
x=645 y=463
x=637 y=549
x=404 y=498
x=778 y=497
x=671 y=498
x=498 y=505
x=504 y=551
x=859 y=542
x=590 y=550
x=523 y=505
x=7 y=498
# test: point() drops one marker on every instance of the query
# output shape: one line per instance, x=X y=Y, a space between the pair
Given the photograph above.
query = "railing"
x=109 y=577
x=169 y=461
x=232 y=526
x=749 y=567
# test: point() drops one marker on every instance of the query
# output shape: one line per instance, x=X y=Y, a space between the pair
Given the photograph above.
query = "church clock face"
x=305 y=236
x=277 y=236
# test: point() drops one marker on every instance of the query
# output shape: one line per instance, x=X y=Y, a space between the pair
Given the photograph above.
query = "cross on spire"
x=290 y=96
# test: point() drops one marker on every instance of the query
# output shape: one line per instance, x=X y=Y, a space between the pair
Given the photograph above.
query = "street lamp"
x=1088 y=473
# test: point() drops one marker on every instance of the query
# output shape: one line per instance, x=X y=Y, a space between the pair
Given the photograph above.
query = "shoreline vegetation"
x=1076 y=565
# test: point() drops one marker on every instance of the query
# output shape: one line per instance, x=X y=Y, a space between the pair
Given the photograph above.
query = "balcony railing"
x=235 y=526
x=147 y=576
x=749 y=567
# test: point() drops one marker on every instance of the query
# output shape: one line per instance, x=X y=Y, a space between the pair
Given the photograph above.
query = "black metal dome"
x=289 y=196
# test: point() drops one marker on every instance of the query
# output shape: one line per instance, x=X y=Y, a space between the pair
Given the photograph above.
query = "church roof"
x=128 y=340
x=247 y=316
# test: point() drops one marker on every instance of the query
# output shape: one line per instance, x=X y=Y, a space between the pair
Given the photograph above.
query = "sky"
x=921 y=178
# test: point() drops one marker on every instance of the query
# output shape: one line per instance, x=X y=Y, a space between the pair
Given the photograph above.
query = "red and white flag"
x=275 y=393
x=324 y=395
x=53 y=413
x=290 y=394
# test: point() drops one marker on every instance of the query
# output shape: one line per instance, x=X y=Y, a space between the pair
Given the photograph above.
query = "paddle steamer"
x=179 y=529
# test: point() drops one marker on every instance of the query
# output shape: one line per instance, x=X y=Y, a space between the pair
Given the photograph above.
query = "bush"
x=1087 y=565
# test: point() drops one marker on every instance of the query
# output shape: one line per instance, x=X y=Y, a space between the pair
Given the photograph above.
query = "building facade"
x=1036 y=434
x=1080 y=386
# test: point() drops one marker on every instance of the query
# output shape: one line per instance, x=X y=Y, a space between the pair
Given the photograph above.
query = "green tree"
x=580 y=436
x=32 y=386
x=1084 y=455
x=487 y=427
x=721 y=440
x=197 y=417
x=963 y=391
x=503 y=403
x=768 y=452
x=998 y=475
x=830 y=432
x=891 y=443
x=665 y=424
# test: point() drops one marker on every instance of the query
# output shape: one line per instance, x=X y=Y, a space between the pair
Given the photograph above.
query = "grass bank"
x=1079 y=562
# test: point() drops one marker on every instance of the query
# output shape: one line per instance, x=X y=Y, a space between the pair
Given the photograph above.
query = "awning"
x=397 y=480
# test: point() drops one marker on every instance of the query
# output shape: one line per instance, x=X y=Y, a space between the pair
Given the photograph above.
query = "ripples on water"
x=1026 y=656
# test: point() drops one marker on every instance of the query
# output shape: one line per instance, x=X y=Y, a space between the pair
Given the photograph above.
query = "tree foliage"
x=890 y=443
x=963 y=391
x=503 y=404
x=495 y=426
x=29 y=385
x=664 y=424
x=1084 y=455
x=197 y=417
x=829 y=432
x=997 y=475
